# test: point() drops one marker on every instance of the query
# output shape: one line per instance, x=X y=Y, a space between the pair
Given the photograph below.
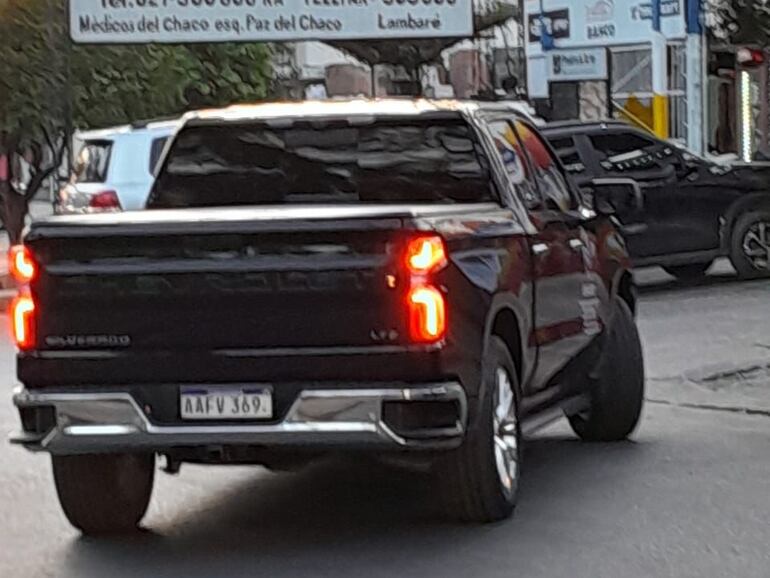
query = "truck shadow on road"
x=362 y=519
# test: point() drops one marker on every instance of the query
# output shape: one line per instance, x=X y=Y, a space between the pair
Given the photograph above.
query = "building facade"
x=467 y=68
x=650 y=62
x=589 y=58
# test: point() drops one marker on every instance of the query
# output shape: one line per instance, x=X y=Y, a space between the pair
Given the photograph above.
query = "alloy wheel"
x=756 y=245
x=505 y=433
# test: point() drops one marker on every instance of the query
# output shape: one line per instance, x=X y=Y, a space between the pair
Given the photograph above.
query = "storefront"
x=738 y=98
x=591 y=59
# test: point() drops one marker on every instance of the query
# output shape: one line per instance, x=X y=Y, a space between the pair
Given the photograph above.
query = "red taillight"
x=427 y=314
x=749 y=57
x=425 y=255
x=21 y=265
x=426 y=306
x=104 y=201
x=23 y=320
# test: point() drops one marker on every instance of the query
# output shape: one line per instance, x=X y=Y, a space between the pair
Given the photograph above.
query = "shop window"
x=677 y=86
x=631 y=85
x=631 y=70
x=565 y=101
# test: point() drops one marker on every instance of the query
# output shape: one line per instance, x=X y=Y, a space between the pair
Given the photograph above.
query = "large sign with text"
x=555 y=23
x=577 y=64
x=601 y=22
x=172 y=21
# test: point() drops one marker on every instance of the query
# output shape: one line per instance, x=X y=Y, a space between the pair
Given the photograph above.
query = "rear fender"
x=522 y=312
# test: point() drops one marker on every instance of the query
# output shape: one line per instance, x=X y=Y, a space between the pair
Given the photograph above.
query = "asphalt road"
x=689 y=496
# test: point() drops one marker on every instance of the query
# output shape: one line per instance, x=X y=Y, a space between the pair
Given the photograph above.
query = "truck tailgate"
x=204 y=286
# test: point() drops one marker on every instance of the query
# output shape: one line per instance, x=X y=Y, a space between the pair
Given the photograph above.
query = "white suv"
x=114 y=168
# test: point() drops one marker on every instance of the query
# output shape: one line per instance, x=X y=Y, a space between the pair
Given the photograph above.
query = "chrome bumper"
x=112 y=422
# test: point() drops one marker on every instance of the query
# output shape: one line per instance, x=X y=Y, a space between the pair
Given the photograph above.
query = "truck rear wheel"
x=480 y=479
x=617 y=389
x=104 y=494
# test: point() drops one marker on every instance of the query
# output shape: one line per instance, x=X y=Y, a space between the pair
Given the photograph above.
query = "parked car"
x=694 y=210
x=382 y=276
x=114 y=168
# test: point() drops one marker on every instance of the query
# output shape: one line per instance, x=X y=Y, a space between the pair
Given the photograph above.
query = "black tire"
x=104 y=494
x=471 y=486
x=617 y=388
x=746 y=267
x=689 y=272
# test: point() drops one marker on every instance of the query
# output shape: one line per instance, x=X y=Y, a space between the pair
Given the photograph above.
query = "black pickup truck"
x=694 y=210
x=396 y=277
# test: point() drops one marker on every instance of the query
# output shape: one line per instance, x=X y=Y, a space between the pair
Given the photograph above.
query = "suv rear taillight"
x=105 y=201
x=23 y=320
x=426 y=305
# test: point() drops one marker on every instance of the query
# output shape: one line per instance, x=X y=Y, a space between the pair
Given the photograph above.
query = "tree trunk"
x=14 y=210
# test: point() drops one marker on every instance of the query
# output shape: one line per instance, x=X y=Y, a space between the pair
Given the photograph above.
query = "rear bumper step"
x=114 y=422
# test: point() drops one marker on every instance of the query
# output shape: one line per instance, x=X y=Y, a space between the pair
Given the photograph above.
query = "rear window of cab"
x=414 y=160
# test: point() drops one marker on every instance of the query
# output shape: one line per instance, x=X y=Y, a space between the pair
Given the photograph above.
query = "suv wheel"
x=750 y=244
x=104 y=494
x=617 y=388
x=480 y=479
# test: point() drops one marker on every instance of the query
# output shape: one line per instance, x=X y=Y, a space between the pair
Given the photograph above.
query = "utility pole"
x=373 y=73
x=695 y=71
x=659 y=75
x=69 y=127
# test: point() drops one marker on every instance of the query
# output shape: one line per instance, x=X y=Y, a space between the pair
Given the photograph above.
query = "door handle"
x=576 y=244
x=540 y=248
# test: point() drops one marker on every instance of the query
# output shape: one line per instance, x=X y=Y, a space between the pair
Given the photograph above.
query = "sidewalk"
x=37 y=210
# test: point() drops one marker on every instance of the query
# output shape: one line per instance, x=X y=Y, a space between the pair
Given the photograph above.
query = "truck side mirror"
x=616 y=196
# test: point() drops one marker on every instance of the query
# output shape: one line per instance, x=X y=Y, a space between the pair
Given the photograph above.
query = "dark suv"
x=392 y=277
x=694 y=210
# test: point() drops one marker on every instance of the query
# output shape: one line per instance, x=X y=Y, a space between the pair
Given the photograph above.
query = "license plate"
x=231 y=403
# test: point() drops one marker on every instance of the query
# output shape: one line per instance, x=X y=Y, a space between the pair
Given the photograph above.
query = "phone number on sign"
x=182 y=3
x=416 y=2
x=118 y=4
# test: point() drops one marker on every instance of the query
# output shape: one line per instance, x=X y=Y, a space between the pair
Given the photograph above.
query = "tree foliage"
x=740 y=21
x=44 y=78
x=112 y=84
x=124 y=83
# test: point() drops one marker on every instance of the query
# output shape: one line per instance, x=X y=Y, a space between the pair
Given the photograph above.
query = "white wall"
x=314 y=57
x=506 y=36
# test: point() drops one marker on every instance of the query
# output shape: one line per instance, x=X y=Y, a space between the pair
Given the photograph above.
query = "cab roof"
x=358 y=107
x=162 y=127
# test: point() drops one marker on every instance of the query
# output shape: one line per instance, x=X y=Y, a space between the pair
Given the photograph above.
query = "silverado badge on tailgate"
x=64 y=341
